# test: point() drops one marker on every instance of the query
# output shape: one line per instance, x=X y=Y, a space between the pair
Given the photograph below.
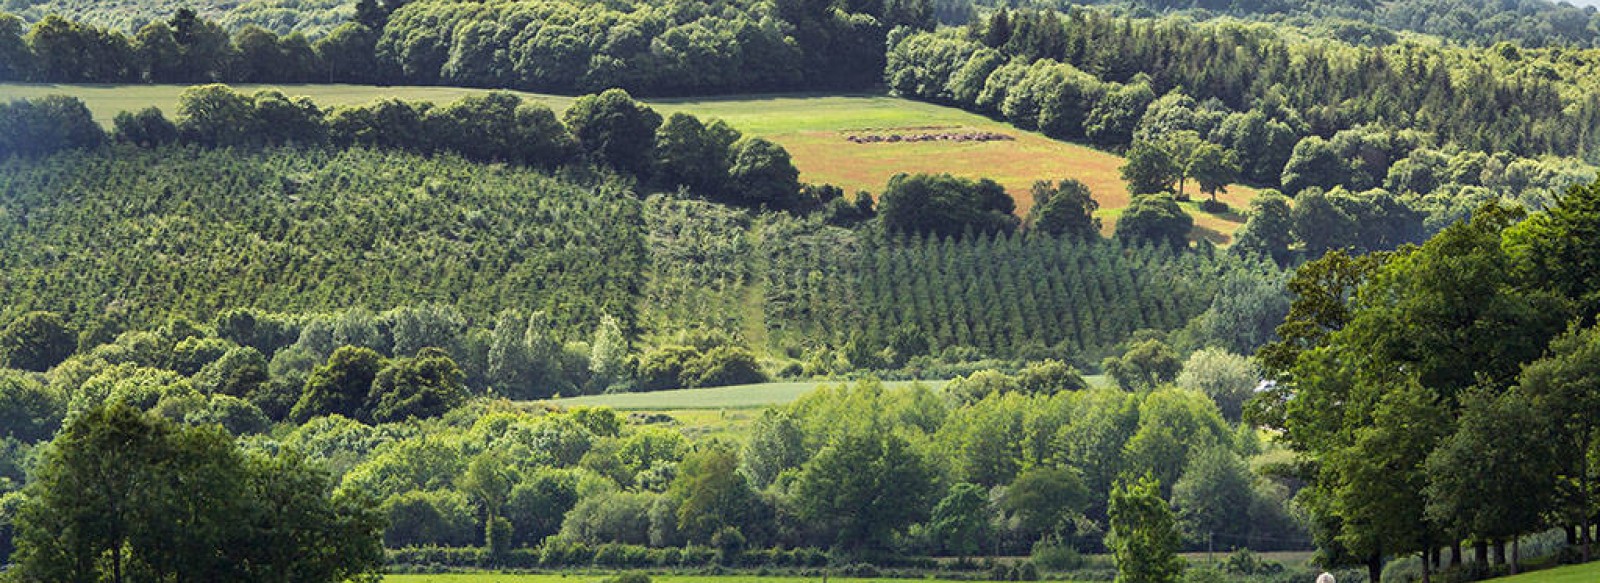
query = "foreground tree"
x=1144 y=538
x=865 y=486
x=1565 y=390
x=119 y=489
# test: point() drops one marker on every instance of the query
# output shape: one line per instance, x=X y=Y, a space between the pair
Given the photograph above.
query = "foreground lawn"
x=1585 y=573
x=548 y=578
x=814 y=128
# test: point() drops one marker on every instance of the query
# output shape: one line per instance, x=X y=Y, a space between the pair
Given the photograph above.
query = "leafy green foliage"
x=341 y=386
x=46 y=125
x=1156 y=219
x=1065 y=210
x=1144 y=534
x=29 y=410
x=109 y=483
x=416 y=388
x=864 y=486
x=1002 y=296
x=945 y=206
x=960 y=520
x=1046 y=500
x=36 y=341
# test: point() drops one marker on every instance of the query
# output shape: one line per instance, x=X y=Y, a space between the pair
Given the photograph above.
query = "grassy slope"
x=812 y=127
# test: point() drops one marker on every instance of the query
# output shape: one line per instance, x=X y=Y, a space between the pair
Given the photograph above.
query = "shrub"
x=627 y=578
x=1052 y=556
x=1025 y=571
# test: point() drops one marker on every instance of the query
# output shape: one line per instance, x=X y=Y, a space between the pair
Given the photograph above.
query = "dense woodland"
x=322 y=335
x=1534 y=23
x=551 y=46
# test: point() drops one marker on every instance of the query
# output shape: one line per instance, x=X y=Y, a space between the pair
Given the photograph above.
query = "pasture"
x=816 y=129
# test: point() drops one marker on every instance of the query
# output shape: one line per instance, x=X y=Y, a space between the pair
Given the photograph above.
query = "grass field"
x=548 y=578
x=1586 y=573
x=813 y=128
x=732 y=397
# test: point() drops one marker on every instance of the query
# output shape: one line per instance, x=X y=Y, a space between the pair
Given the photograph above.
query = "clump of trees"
x=609 y=130
x=1468 y=349
x=107 y=493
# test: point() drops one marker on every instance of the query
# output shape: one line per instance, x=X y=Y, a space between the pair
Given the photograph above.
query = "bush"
x=627 y=578
x=559 y=552
x=1052 y=556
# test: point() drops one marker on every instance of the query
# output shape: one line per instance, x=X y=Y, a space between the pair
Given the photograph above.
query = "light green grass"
x=548 y=578
x=737 y=396
x=812 y=127
x=1586 y=573
x=733 y=397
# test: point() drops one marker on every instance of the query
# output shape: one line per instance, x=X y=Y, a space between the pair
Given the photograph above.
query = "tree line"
x=609 y=130
x=1465 y=419
x=313 y=18
x=548 y=46
x=1526 y=101
x=1533 y=23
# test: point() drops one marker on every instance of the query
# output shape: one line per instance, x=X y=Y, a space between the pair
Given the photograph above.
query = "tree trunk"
x=1375 y=569
x=1455 y=554
x=1499 y=553
x=1585 y=529
x=1583 y=497
x=116 y=562
x=1480 y=552
x=1435 y=554
x=1516 y=553
x=1427 y=567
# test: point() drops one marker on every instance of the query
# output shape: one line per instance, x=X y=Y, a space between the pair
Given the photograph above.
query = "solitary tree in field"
x=1212 y=167
x=1150 y=169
